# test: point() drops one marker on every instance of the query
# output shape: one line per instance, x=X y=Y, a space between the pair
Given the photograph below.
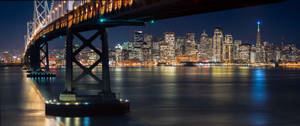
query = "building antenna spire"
x=258 y=25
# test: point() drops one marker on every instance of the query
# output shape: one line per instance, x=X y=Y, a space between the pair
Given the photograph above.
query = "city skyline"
x=149 y=62
x=275 y=28
x=218 y=47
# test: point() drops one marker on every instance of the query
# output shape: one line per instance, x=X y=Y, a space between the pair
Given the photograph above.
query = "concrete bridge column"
x=105 y=61
x=68 y=95
x=68 y=62
x=47 y=56
x=35 y=57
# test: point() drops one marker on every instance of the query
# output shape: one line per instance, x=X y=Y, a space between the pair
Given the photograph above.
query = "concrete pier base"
x=87 y=106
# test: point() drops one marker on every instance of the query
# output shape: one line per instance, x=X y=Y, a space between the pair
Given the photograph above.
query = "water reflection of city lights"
x=259 y=95
x=67 y=121
x=77 y=121
x=58 y=121
x=86 y=121
x=258 y=119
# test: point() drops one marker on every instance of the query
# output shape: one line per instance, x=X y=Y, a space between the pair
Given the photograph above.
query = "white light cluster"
x=122 y=100
x=65 y=103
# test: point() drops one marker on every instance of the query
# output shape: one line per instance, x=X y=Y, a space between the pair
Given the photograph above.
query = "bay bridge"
x=54 y=19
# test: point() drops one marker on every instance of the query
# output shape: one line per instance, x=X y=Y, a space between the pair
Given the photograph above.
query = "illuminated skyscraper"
x=228 y=49
x=156 y=49
x=259 y=51
x=167 y=48
x=179 y=46
x=118 y=53
x=146 y=48
x=245 y=50
x=253 y=54
x=204 y=48
x=136 y=51
x=236 y=48
x=148 y=38
x=170 y=38
x=217 y=45
x=138 y=36
x=190 y=45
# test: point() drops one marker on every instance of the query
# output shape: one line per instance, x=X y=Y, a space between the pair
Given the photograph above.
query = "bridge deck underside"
x=177 y=8
x=144 y=11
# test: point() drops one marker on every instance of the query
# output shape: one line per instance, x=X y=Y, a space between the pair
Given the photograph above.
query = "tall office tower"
x=210 y=52
x=245 y=50
x=147 y=48
x=118 y=53
x=138 y=39
x=170 y=41
x=136 y=51
x=125 y=45
x=7 y=57
x=204 y=47
x=217 y=45
x=146 y=52
x=170 y=38
x=179 y=46
x=259 y=51
x=227 y=54
x=190 y=45
x=277 y=54
x=236 y=48
x=266 y=43
x=293 y=52
x=156 y=50
x=138 y=36
x=253 y=54
x=148 y=38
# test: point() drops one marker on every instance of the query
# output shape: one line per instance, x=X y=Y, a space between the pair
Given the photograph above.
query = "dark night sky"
x=280 y=20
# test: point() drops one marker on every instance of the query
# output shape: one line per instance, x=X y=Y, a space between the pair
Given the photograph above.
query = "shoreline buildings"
x=220 y=48
x=170 y=49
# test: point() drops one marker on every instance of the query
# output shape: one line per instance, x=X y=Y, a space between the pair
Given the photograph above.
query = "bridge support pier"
x=104 y=82
x=105 y=61
x=35 y=57
x=68 y=62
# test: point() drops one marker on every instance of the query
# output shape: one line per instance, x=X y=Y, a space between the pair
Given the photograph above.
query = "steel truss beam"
x=87 y=43
x=71 y=58
x=44 y=58
x=41 y=11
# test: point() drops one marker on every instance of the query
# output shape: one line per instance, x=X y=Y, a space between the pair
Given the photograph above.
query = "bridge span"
x=70 y=18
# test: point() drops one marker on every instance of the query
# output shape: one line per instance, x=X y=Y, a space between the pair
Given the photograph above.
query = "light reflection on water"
x=86 y=121
x=259 y=94
x=67 y=121
x=259 y=97
x=171 y=96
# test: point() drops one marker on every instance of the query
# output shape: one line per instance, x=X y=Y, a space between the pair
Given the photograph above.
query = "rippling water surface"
x=207 y=96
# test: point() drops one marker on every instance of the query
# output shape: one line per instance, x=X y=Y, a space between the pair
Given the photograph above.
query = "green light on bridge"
x=102 y=20
x=152 y=21
x=60 y=37
x=76 y=45
x=44 y=36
